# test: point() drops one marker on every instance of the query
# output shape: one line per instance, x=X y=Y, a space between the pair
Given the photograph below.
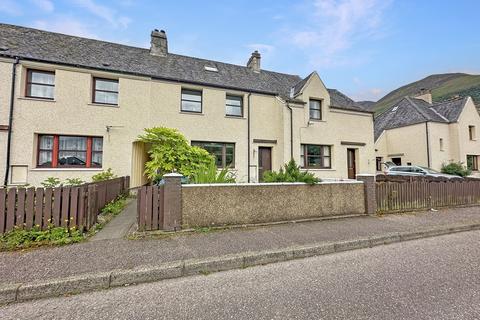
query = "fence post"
x=172 y=217
x=91 y=205
x=369 y=183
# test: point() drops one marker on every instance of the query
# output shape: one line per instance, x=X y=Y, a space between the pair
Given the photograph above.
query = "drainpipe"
x=428 y=144
x=248 y=136
x=291 y=130
x=10 y=120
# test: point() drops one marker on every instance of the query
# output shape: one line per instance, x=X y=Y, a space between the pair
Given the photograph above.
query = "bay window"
x=62 y=151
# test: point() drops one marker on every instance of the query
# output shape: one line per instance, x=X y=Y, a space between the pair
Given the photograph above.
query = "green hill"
x=442 y=86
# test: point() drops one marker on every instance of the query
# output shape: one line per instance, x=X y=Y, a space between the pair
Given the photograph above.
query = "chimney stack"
x=158 y=43
x=425 y=95
x=254 y=61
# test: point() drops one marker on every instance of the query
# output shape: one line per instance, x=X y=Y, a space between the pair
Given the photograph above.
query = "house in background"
x=418 y=132
x=79 y=104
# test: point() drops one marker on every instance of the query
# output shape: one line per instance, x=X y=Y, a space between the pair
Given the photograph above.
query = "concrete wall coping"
x=267 y=184
x=173 y=175
x=366 y=175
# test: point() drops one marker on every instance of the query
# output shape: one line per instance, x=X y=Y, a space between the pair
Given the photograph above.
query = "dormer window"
x=315 y=109
x=211 y=68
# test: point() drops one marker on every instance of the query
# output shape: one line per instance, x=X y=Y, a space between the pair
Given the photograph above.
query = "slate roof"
x=339 y=100
x=44 y=46
x=410 y=111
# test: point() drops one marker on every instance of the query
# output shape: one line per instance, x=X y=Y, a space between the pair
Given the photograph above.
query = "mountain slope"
x=442 y=86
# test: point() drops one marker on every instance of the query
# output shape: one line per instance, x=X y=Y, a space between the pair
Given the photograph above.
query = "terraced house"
x=71 y=106
x=419 y=132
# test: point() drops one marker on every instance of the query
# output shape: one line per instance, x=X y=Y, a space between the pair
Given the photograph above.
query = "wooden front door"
x=264 y=161
x=352 y=164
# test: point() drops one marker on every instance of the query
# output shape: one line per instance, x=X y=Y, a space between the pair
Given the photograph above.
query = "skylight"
x=394 y=108
x=211 y=69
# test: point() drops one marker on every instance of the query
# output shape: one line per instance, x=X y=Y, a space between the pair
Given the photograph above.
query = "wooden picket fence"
x=409 y=194
x=75 y=206
x=150 y=208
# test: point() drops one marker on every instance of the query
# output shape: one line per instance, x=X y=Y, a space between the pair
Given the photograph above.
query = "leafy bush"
x=290 y=173
x=74 y=182
x=20 y=238
x=211 y=174
x=104 y=175
x=456 y=168
x=51 y=182
x=169 y=150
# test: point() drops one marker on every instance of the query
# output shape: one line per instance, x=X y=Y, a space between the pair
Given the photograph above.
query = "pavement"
x=431 y=278
x=98 y=264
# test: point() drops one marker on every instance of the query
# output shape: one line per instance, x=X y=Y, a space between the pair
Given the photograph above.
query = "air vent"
x=106 y=64
x=211 y=69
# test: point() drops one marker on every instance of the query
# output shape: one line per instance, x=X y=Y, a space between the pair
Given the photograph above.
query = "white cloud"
x=106 y=13
x=66 y=25
x=370 y=94
x=334 y=26
x=10 y=7
x=44 y=5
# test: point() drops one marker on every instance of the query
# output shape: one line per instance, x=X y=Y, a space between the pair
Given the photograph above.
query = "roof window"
x=211 y=69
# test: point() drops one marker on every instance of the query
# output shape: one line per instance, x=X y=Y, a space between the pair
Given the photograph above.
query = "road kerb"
x=57 y=287
x=96 y=281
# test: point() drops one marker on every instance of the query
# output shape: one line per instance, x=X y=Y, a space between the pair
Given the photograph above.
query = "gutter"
x=10 y=120
x=248 y=137
x=291 y=130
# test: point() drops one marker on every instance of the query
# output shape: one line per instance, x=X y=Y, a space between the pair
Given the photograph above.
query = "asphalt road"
x=435 y=278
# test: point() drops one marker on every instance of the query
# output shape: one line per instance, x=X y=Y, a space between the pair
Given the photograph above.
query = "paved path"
x=120 y=225
x=434 y=278
x=107 y=255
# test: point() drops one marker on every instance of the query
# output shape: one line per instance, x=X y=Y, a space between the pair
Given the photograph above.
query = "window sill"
x=193 y=113
x=66 y=169
x=37 y=99
x=315 y=169
x=235 y=117
x=104 y=105
x=316 y=120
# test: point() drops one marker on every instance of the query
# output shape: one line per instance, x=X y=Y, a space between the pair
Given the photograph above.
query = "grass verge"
x=20 y=239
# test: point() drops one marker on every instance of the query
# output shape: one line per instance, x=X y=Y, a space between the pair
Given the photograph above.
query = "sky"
x=364 y=48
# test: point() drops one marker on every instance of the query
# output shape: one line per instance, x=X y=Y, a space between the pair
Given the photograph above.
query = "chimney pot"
x=158 y=43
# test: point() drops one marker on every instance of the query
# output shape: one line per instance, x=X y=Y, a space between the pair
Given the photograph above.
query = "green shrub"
x=20 y=238
x=114 y=207
x=211 y=174
x=290 y=173
x=104 y=175
x=74 y=182
x=170 y=151
x=456 y=168
x=51 y=182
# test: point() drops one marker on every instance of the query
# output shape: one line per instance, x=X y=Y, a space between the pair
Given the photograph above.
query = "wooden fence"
x=410 y=194
x=150 y=207
x=75 y=206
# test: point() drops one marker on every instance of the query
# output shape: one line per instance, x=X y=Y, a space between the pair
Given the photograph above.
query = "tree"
x=170 y=151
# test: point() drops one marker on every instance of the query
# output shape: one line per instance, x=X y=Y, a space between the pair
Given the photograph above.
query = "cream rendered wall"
x=438 y=157
x=409 y=141
x=210 y=125
x=468 y=117
x=5 y=85
x=336 y=126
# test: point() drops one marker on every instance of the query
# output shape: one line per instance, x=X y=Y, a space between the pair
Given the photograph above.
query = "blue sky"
x=364 y=48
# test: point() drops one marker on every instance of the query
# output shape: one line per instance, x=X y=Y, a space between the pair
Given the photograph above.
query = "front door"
x=352 y=164
x=264 y=161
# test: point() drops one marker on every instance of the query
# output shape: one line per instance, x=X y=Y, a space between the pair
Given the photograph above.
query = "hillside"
x=443 y=87
x=367 y=105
